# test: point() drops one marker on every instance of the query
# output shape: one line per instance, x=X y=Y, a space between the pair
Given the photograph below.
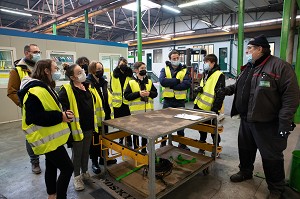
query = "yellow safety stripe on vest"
x=138 y=106
x=167 y=92
x=49 y=138
x=118 y=92
x=205 y=100
x=99 y=111
x=21 y=72
x=44 y=139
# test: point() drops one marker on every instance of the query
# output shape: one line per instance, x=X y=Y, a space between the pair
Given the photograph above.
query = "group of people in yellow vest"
x=75 y=114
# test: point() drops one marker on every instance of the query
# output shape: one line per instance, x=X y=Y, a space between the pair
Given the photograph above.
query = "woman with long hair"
x=45 y=125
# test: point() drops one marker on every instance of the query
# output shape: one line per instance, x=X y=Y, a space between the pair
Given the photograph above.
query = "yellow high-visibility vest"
x=75 y=125
x=118 y=92
x=138 y=106
x=44 y=139
x=99 y=108
x=110 y=100
x=206 y=99
x=21 y=72
x=168 y=92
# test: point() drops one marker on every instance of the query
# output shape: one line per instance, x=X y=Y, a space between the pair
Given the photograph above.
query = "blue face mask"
x=249 y=58
x=36 y=57
x=206 y=66
x=175 y=63
x=56 y=76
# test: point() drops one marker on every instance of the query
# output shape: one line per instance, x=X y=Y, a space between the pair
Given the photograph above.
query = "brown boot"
x=35 y=168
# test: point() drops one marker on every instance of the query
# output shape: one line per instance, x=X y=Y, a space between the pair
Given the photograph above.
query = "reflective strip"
x=116 y=94
x=76 y=132
x=76 y=119
x=32 y=129
x=204 y=102
x=180 y=92
x=118 y=101
x=140 y=111
x=111 y=114
x=168 y=90
x=208 y=95
x=99 y=109
x=137 y=103
x=49 y=138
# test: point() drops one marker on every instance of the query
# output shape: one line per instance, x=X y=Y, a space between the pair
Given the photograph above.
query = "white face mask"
x=36 y=57
x=249 y=57
x=175 y=63
x=206 y=66
x=56 y=76
x=82 y=77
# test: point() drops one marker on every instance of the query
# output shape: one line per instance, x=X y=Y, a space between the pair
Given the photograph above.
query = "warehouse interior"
x=146 y=30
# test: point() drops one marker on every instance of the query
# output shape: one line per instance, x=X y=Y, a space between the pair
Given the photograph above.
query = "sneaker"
x=213 y=155
x=109 y=162
x=78 y=183
x=35 y=168
x=85 y=176
x=183 y=146
x=240 y=176
x=201 y=151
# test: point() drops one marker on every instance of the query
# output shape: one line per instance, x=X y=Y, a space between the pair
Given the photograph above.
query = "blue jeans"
x=34 y=159
x=173 y=103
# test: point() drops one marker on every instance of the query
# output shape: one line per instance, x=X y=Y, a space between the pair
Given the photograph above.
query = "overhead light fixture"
x=145 y=5
x=103 y=26
x=206 y=22
x=16 y=12
x=186 y=32
x=171 y=9
x=41 y=12
x=193 y=3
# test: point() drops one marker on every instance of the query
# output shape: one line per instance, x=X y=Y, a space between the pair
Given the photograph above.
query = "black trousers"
x=265 y=137
x=58 y=159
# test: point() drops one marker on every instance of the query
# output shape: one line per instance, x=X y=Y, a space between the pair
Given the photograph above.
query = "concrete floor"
x=17 y=181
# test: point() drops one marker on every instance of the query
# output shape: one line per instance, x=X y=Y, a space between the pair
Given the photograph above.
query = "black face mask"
x=85 y=68
x=142 y=72
x=123 y=67
x=99 y=74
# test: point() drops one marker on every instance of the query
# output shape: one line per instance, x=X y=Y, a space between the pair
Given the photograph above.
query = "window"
x=136 y=53
x=157 y=56
x=272 y=47
x=209 y=49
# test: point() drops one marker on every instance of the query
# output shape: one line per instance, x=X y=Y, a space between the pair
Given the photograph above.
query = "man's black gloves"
x=286 y=133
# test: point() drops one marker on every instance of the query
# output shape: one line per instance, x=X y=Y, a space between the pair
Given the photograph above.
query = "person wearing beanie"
x=266 y=96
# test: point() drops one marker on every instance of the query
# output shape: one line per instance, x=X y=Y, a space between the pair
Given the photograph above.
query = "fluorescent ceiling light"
x=16 y=12
x=206 y=22
x=186 y=32
x=193 y=3
x=145 y=5
x=102 y=26
x=171 y=9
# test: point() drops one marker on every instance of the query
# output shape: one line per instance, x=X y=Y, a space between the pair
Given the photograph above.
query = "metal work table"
x=155 y=124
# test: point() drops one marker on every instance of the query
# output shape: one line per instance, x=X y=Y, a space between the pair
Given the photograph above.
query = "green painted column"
x=139 y=29
x=86 y=24
x=54 y=32
x=285 y=27
x=297 y=70
x=241 y=35
x=298 y=1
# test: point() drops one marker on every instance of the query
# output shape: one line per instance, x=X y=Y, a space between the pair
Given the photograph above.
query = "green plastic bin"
x=295 y=171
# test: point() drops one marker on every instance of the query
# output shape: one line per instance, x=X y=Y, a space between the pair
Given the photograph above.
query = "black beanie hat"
x=260 y=40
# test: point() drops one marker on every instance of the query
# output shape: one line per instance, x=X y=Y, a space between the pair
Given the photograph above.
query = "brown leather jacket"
x=14 y=81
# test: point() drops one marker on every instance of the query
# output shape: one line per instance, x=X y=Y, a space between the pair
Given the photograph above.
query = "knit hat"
x=260 y=40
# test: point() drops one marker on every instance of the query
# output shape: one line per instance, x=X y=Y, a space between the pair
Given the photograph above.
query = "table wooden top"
x=155 y=124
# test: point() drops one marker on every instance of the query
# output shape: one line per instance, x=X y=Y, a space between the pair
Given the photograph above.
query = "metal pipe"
x=291 y=37
x=297 y=70
x=86 y=24
x=240 y=35
x=139 y=29
x=285 y=29
x=117 y=5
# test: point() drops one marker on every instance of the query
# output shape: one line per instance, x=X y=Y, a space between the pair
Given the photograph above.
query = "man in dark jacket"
x=266 y=98
x=175 y=80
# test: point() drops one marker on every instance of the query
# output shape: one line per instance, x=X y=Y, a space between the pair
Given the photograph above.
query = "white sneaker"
x=85 y=176
x=78 y=183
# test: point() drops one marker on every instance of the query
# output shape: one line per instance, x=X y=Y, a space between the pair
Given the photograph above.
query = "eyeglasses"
x=249 y=47
x=36 y=52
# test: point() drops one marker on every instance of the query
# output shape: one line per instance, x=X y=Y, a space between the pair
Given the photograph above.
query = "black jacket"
x=35 y=112
x=274 y=93
x=129 y=95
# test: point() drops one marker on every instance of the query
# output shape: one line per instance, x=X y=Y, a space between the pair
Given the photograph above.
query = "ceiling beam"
x=69 y=14
x=98 y=12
